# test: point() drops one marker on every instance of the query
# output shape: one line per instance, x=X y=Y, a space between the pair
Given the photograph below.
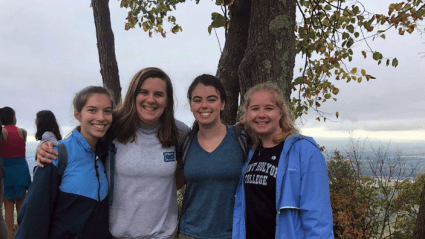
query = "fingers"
x=44 y=153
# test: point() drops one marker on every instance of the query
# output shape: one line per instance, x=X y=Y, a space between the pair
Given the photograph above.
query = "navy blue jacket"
x=78 y=207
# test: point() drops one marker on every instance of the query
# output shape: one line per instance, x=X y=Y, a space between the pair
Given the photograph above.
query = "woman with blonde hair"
x=284 y=189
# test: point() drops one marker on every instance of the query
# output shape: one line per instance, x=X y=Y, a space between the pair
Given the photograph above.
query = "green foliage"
x=325 y=37
x=372 y=207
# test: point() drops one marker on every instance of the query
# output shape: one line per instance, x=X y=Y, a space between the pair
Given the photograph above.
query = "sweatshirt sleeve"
x=37 y=208
x=49 y=136
x=316 y=211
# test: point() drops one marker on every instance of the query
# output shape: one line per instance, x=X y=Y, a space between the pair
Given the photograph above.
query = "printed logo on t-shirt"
x=169 y=157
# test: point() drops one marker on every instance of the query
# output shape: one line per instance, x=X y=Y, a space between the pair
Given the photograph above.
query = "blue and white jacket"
x=302 y=193
x=78 y=207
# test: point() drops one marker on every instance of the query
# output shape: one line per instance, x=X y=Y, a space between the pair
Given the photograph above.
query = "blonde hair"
x=286 y=122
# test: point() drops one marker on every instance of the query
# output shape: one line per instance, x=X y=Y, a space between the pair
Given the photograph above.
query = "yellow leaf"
x=337 y=114
x=359 y=79
x=331 y=46
x=354 y=70
x=364 y=54
x=363 y=72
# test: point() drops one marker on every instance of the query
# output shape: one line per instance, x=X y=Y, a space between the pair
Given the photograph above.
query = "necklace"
x=260 y=149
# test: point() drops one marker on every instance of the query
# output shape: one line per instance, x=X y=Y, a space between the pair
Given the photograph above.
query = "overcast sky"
x=48 y=53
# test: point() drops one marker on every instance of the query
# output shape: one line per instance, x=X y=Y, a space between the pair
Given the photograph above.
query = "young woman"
x=284 y=190
x=47 y=127
x=12 y=153
x=74 y=205
x=144 y=198
x=212 y=159
x=144 y=185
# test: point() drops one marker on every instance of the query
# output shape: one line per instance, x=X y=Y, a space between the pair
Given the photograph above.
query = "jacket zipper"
x=97 y=175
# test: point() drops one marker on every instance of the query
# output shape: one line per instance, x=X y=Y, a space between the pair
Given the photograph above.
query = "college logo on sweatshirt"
x=169 y=157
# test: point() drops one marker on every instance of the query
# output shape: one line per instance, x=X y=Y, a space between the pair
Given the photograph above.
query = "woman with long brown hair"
x=144 y=199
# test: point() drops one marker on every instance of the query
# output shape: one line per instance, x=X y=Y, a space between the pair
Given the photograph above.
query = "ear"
x=77 y=115
x=223 y=103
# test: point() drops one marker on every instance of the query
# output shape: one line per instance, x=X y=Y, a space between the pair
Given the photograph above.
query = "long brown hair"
x=286 y=123
x=46 y=121
x=127 y=120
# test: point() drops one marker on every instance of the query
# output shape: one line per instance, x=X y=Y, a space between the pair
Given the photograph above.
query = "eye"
x=108 y=112
x=196 y=100
x=91 y=110
x=159 y=94
x=212 y=100
x=143 y=92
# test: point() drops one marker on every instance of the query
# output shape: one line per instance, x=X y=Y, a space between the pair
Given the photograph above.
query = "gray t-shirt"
x=145 y=198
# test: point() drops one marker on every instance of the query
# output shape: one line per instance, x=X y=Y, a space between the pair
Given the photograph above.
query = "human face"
x=206 y=105
x=95 y=118
x=151 y=101
x=263 y=115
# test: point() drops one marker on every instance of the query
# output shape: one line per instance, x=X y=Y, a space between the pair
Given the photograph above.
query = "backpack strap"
x=244 y=140
x=112 y=150
x=62 y=159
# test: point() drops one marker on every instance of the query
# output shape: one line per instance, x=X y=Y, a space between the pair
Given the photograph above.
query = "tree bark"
x=270 y=54
x=106 y=48
x=419 y=232
x=231 y=57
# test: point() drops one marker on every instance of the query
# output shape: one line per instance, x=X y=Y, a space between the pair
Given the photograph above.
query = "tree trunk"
x=270 y=54
x=419 y=232
x=106 y=48
x=231 y=57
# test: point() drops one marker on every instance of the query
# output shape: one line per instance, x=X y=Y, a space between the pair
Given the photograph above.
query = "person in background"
x=212 y=160
x=12 y=153
x=47 y=127
x=3 y=227
x=145 y=133
x=284 y=189
x=75 y=204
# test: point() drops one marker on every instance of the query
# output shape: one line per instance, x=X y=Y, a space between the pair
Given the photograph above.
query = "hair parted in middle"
x=46 y=121
x=206 y=80
x=286 y=122
x=127 y=120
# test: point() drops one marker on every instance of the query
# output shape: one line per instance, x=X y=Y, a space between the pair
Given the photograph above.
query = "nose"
x=261 y=113
x=101 y=116
x=204 y=104
x=150 y=98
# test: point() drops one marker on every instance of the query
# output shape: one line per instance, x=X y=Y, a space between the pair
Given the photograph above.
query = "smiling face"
x=206 y=105
x=95 y=117
x=263 y=115
x=151 y=101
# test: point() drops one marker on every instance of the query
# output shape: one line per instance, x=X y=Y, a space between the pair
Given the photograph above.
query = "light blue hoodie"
x=302 y=193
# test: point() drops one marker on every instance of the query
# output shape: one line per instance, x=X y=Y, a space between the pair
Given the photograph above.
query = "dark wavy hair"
x=7 y=115
x=206 y=80
x=46 y=121
x=126 y=121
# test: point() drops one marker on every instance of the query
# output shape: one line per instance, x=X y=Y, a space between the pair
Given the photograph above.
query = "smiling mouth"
x=149 y=108
x=205 y=114
x=99 y=126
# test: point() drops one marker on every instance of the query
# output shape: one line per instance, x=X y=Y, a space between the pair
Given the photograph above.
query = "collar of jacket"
x=82 y=141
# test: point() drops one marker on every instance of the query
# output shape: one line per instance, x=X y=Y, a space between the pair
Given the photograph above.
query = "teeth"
x=205 y=114
x=99 y=126
x=149 y=108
